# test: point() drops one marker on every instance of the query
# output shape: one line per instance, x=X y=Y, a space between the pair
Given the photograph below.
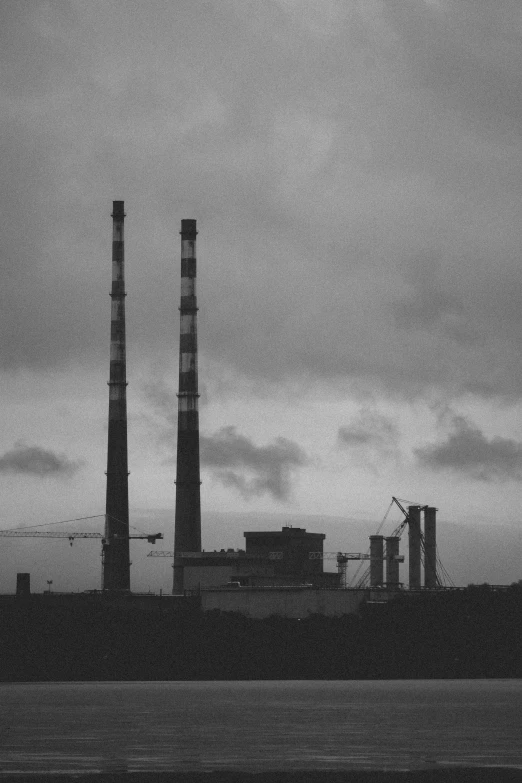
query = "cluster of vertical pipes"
x=378 y=558
x=430 y=547
x=187 y=528
x=116 y=562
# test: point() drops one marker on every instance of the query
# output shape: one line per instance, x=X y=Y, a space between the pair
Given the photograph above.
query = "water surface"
x=259 y=726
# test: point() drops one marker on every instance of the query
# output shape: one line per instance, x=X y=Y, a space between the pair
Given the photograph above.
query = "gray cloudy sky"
x=356 y=173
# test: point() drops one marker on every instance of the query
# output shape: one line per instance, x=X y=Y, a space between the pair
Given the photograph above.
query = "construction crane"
x=27 y=532
x=343 y=559
x=342 y=563
x=71 y=536
x=442 y=576
x=400 y=528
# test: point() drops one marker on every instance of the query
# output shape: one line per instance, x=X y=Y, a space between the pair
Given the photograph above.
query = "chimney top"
x=117 y=209
x=188 y=228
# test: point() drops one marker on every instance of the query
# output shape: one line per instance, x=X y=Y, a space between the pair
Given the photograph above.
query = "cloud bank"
x=254 y=470
x=233 y=459
x=356 y=173
x=468 y=452
x=39 y=462
x=369 y=429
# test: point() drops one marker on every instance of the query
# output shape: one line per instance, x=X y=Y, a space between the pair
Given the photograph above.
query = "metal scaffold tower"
x=422 y=549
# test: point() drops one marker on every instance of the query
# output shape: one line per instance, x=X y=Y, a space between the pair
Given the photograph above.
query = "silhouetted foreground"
x=455 y=775
x=466 y=634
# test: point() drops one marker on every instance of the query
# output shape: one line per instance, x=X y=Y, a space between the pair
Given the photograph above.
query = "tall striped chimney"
x=116 y=563
x=187 y=528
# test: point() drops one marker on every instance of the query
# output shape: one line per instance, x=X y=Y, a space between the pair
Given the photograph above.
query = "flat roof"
x=286 y=532
x=216 y=555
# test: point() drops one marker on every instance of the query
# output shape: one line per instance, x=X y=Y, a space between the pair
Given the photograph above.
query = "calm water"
x=256 y=726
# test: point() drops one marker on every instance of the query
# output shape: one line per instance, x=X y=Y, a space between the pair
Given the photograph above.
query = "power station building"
x=290 y=557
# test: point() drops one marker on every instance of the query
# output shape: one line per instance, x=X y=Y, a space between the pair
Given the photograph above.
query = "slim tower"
x=414 y=546
x=376 y=561
x=116 y=563
x=392 y=562
x=187 y=528
x=430 y=546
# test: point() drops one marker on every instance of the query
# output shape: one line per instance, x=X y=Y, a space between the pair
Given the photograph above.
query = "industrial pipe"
x=414 y=547
x=376 y=561
x=392 y=561
x=430 y=547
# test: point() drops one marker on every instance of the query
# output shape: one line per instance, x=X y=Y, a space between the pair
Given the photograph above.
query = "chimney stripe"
x=188 y=342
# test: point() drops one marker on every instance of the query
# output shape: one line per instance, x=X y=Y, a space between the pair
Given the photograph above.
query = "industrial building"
x=290 y=557
x=282 y=572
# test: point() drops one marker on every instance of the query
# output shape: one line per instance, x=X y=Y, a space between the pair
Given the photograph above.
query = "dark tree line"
x=471 y=633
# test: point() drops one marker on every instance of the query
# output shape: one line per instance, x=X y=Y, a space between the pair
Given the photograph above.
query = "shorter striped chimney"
x=187 y=529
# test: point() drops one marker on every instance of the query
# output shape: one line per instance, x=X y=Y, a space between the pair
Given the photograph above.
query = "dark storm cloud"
x=467 y=451
x=329 y=156
x=235 y=460
x=35 y=461
x=369 y=429
x=254 y=470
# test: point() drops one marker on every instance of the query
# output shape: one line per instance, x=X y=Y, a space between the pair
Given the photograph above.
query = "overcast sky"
x=355 y=169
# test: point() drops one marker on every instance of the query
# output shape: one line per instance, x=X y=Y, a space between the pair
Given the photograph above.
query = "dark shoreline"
x=434 y=775
x=476 y=633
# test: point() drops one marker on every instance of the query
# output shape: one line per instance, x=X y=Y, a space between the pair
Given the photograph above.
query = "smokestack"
x=376 y=561
x=187 y=530
x=392 y=562
x=430 y=547
x=414 y=547
x=116 y=563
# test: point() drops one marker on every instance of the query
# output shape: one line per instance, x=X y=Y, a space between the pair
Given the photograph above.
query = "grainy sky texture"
x=355 y=169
